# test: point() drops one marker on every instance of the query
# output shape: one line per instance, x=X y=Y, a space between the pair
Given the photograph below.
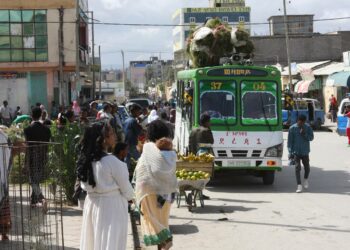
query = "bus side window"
x=187 y=111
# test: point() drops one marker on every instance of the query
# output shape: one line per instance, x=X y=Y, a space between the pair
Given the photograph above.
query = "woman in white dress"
x=106 y=180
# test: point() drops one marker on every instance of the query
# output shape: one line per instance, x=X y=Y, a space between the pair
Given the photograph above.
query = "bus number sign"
x=216 y=85
x=259 y=86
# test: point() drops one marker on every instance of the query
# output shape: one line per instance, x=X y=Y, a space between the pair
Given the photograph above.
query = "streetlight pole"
x=93 y=57
x=123 y=67
x=77 y=40
x=99 y=55
x=287 y=44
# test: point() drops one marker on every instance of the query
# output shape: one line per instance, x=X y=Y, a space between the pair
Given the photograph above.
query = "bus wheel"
x=268 y=177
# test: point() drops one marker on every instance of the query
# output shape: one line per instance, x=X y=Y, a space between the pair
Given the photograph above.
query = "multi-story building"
x=154 y=67
x=30 y=50
x=137 y=71
x=232 y=12
x=297 y=25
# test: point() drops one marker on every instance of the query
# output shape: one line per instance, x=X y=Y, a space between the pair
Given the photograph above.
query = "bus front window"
x=218 y=104
x=259 y=104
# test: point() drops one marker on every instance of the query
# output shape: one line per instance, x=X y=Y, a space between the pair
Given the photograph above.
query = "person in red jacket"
x=347 y=114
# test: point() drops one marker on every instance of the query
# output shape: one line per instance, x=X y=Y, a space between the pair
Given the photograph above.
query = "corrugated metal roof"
x=331 y=69
x=300 y=66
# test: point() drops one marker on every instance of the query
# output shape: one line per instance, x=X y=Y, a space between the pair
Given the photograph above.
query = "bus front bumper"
x=262 y=164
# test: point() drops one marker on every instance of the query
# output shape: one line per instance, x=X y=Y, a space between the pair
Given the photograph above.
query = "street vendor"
x=202 y=134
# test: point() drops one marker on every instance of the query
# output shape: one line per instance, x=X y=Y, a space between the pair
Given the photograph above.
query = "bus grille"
x=239 y=153
x=256 y=153
x=222 y=153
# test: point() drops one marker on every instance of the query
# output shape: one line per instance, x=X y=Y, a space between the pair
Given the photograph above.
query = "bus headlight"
x=275 y=151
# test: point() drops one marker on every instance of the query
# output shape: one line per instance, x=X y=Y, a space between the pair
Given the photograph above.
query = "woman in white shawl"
x=156 y=185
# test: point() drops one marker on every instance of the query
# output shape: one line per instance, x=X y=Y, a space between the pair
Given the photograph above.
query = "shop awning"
x=302 y=86
x=339 y=79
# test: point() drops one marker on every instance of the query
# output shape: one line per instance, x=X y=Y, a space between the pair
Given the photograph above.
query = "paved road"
x=275 y=217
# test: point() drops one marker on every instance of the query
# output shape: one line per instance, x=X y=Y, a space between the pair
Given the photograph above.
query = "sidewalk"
x=72 y=220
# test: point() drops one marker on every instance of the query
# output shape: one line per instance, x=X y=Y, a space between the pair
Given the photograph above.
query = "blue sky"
x=141 y=43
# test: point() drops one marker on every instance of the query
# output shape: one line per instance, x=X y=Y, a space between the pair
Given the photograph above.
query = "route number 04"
x=259 y=86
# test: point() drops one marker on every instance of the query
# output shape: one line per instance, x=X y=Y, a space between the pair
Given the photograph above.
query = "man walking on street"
x=299 y=137
x=37 y=135
x=333 y=108
x=132 y=130
x=5 y=114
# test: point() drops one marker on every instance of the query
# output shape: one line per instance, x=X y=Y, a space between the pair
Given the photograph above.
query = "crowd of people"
x=108 y=148
x=103 y=172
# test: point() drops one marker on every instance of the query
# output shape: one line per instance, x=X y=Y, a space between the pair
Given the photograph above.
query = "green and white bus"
x=244 y=103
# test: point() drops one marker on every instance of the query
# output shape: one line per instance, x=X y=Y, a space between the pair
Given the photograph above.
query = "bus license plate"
x=238 y=163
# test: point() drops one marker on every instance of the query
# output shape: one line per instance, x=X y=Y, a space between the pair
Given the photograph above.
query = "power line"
x=131 y=51
x=191 y=25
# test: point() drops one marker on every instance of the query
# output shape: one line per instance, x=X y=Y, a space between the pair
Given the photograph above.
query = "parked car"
x=311 y=108
x=143 y=102
x=342 y=121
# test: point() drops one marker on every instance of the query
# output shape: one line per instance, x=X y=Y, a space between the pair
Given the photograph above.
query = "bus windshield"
x=259 y=103
x=218 y=100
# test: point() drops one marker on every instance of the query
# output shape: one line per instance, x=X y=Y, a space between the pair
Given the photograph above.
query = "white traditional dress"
x=105 y=217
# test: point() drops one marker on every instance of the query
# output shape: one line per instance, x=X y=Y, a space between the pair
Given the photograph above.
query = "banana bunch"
x=196 y=158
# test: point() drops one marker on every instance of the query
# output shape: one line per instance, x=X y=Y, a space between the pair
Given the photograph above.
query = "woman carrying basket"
x=156 y=185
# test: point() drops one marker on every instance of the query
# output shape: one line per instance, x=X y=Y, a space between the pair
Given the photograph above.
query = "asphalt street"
x=244 y=214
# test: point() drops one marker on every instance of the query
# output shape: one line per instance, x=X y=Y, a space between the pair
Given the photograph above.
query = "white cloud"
x=114 y=4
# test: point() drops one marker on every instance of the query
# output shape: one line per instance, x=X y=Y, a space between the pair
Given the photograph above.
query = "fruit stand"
x=192 y=177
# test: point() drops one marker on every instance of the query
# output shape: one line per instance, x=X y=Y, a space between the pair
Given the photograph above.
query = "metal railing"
x=31 y=197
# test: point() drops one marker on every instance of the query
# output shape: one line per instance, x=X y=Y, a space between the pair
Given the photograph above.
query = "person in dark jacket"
x=132 y=130
x=202 y=134
x=37 y=135
x=299 y=137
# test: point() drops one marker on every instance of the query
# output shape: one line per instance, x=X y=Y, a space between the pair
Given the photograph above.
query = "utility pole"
x=287 y=44
x=123 y=58
x=77 y=40
x=93 y=57
x=99 y=55
x=61 y=57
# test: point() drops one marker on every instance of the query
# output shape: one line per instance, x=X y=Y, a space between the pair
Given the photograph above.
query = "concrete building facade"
x=312 y=48
x=29 y=50
x=297 y=25
x=138 y=71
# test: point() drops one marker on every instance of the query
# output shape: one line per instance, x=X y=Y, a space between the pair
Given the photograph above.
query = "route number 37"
x=259 y=86
x=216 y=85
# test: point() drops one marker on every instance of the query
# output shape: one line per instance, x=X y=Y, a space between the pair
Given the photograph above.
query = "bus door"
x=341 y=119
x=302 y=109
x=311 y=111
